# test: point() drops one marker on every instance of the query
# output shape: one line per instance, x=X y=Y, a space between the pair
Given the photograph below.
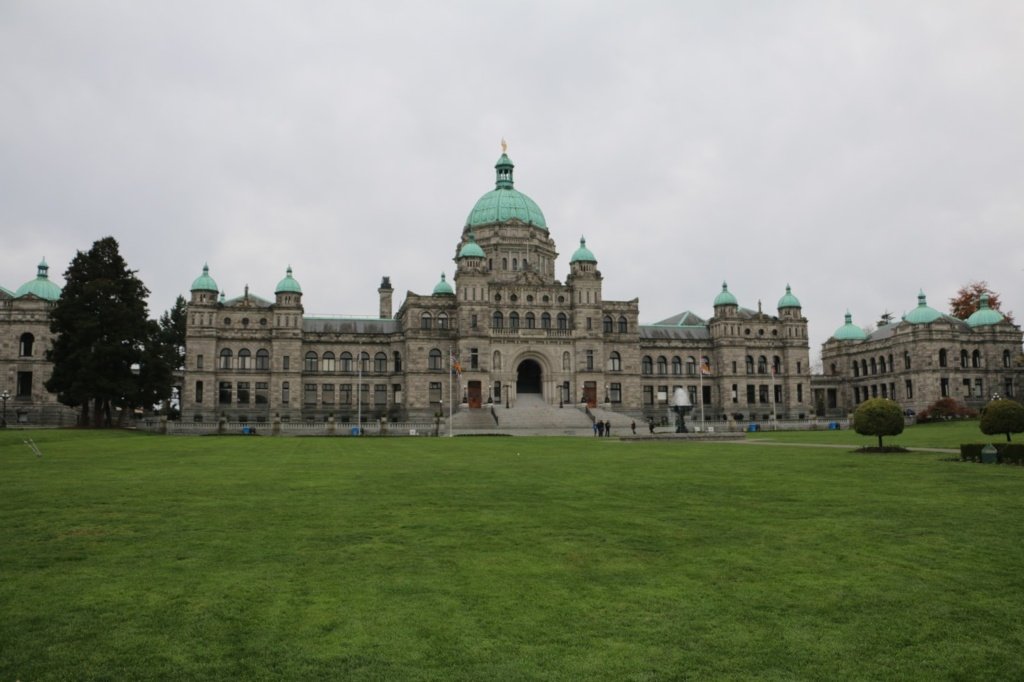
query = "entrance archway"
x=528 y=377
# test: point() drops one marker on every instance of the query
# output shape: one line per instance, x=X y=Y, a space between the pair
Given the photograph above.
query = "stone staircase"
x=529 y=415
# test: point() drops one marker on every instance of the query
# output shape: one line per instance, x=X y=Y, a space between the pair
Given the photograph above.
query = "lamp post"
x=5 y=396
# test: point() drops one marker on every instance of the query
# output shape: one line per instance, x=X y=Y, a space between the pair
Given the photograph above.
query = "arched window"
x=615 y=362
x=396 y=360
x=1006 y=358
x=531 y=321
x=442 y=321
x=380 y=363
x=832 y=368
x=225 y=359
x=881 y=364
x=364 y=361
x=892 y=367
x=874 y=366
x=25 y=345
x=563 y=321
x=776 y=364
x=327 y=362
x=346 y=362
x=943 y=358
x=762 y=364
x=677 y=364
x=976 y=358
x=662 y=365
x=545 y=321
x=566 y=361
x=513 y=320
x=497 y=320
x=691 y=365
x=434 y=359
x=504 y=263
x=607 y=324
x=864 y=367
x=515 y=263
x=963 y=357
x=856 y=368
x=426 y=321
x=496 y=361
x=244 y=359
x=311 y=362
x=750 y=364
x=623 y=325
x=906 y=361
x=647 y=365
x=262 y=359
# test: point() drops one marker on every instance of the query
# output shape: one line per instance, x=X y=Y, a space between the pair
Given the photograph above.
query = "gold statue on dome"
x=504 y=146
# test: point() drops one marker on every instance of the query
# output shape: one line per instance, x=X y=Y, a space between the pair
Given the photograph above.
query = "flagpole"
x=775 y=414
x=700 y=374
x=451 y=405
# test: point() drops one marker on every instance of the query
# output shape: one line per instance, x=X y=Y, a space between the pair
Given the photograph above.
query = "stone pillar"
x=385 y=292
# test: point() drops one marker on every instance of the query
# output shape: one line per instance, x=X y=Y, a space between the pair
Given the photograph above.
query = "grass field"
x=127 y=556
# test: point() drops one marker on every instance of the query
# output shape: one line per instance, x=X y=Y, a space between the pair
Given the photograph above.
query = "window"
x=623 y=325
x=944 y=388
x=563 y=321
x=243 y=392
x=497 y=320
x=648 y=395
x=327 y=362
x=762 y=393
x=311 y=362
x=380 y=363
x=474 y=358
x=590 y=359
x=751 y=390
x=735 y=393
x=906 y=360
x=750 y=364
x=881 y=364
x=434 y=392
x=566 y=361
x=979 y=387
x=199 y=361
x=874 y=366
x=426 y=322
x=662 y=365
x=364 y=362
x=380 y=395
x=285 y=392
x=199 y=391
x=327 y=394
x=908 y=386
x=472 y=319
x=496 y=360
x=864 y=367
x=261 y=393
x=531 y=321
x=545 y=321
x=615 y=393
x=590 y=324
x=691 y=365
x=225 y=359
x=615 y=362
x=776 y=364
x=777 y=389
x=606 y=324
x=434 y=359
x=309 y=394
x=800 y=366
x=345 y=394
x=346 y=361
x=1006 y=358
x=244 y=359
x=224 y=395
x=943 y=358
x=963 y=358
x=976 y=359
x=442 y=321
x=25 y=345
x=762 y=364
x=262 y=359
x=285 y=362
x=663 y=395
x=513 y=320
x=646 y=365
x=396 y=359
x=856 y=368
x=799 y=393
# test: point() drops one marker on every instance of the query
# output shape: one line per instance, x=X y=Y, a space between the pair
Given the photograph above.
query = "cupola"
x=849 y=331
x=923 y=313
x=984 y=315
x=41 y=286
x=442 y=288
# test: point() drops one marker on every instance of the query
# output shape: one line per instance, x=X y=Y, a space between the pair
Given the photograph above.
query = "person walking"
x=607 y=429
x=595 y=429
x=600 y=428
x=632 y=425
x=650 y=425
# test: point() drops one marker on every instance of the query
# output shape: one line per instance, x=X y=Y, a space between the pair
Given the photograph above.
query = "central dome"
x=504 y=202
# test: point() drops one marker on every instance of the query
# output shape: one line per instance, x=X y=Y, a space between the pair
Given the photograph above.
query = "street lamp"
x=5 y=396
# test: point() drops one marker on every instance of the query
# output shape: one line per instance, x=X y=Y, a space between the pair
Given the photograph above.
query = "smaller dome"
x=725 y=297
x=471 y=249
x=288 y=285
x=923 y=313
x=984 y=315
x=443 y=288
x=789 y=300
x=204 y=282
x=849 y=331
x=583 y=254
x=41 y=286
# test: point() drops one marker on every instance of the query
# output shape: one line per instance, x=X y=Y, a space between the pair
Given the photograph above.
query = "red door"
x=474 y=394
x=590 y=393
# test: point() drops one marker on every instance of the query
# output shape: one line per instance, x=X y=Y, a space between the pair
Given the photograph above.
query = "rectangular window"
x=24 y=386
x=615 y=393
x=856 y=395
x=472 y=320
x=735 y=393
x=762 y=393
x=799 y=366
x=380 y=394
x=225 y=393
x=327 y=394
x=663 y=395
x=243 y=392
x=751 y=391
x=799 y=393
x=1008 y=387
x=733 y=366
x=967 y=388
x=944 y=388
x=285 y=393
x=778 y=393
x=692 y=391
x=345 y=394
x=908 y=386
x=474 y=359
x=309 y=394
x=648 y=395
x=979 y=387
x=590 y=323
x=396 y=392
x=199 y=391
x=590 y=359
x=284 y=362
x=262 y=359
x=364 y=394
x=261 y=392
x=434 y=393
x=199 y=361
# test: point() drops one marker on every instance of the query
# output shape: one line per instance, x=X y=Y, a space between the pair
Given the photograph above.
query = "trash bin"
x=989 y=454
x=752 y=428
x=355 y=430
x=833 y=426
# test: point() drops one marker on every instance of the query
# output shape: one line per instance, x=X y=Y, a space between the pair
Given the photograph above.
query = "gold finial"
x=504 y=146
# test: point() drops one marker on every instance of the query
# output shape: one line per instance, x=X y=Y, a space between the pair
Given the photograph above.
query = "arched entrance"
x=528 y=377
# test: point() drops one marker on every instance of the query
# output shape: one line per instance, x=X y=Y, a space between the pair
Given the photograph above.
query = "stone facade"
x=511 y=328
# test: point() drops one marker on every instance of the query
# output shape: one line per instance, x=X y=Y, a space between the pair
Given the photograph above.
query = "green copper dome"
x=204 y=282
x=583 y=254
x=504 y=202
x=789 y=300
x=471 y=249
x=288 y=285
x=443 y=288
x=725 y=297
x=41 y=286
x=984 y=315
x=922 y=314
x=849 y=331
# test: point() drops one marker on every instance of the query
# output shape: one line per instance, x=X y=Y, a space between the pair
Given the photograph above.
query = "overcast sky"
x=859 y=151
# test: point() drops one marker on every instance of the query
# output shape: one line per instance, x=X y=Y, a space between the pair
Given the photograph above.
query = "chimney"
x=385 y=292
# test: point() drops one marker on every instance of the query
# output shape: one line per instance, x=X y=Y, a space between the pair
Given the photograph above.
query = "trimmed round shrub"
x=1002 y=416
x=878 y=417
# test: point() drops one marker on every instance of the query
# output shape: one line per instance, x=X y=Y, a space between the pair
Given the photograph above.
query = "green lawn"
x=126 y=556
x=938 y=435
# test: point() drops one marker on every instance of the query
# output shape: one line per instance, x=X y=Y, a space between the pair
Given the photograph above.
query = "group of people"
x=602 y=428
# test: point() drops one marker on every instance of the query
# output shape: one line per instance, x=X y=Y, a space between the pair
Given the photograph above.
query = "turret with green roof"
x=849 y=331
x=788 y=300
x=443 y=288
x=583 y=254
x=288 y=285
x=204 y=282
x=41 y=286
x=725 y=297
x=471 y=249
x=923 y=313
x=504 y=202
x=984 y=315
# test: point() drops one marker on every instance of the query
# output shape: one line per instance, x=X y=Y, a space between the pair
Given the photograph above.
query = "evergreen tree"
x=106 y=351
x=172 y=333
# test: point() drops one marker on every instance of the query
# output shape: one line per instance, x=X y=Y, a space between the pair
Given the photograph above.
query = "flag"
x=456 y=367
x=705 y=368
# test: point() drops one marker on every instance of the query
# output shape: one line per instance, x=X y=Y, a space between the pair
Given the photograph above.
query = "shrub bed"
x=1007 y=453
